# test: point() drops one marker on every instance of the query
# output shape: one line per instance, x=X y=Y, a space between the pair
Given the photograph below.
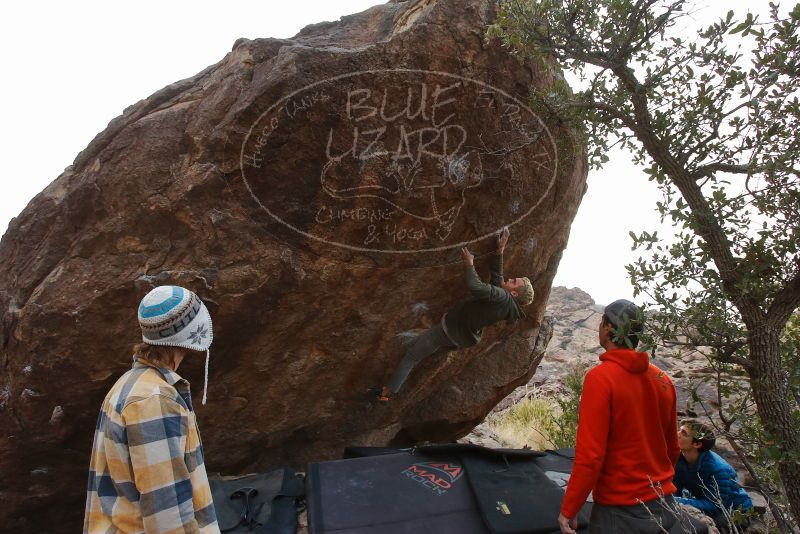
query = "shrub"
x=540 y=421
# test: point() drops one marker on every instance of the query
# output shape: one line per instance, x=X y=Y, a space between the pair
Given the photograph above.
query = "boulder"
x=315 y=192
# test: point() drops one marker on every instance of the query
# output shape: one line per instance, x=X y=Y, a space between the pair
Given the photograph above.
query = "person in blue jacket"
x=704 y=480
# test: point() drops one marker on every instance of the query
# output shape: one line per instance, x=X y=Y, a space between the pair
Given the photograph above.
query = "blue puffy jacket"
x=697 y=484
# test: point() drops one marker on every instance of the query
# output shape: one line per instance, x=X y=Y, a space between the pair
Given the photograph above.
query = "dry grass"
x=543 y=421
x=529 y=423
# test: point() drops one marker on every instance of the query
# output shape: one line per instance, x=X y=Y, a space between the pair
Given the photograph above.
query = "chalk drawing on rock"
x=399 y=161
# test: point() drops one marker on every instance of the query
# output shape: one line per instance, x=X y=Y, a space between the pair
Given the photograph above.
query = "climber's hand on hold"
x=466 y=256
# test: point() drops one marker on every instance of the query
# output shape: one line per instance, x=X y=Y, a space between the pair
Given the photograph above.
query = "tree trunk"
x=774 y=403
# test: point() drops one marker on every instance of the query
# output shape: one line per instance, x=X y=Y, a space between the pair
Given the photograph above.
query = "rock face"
x=315 y=192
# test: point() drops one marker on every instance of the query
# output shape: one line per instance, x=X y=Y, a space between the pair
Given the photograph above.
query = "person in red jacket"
x=627 y=442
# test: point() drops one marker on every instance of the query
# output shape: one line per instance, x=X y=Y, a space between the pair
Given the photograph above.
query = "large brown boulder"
x=315 y=192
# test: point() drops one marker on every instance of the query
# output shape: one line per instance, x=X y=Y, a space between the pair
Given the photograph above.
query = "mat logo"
x=435 y=476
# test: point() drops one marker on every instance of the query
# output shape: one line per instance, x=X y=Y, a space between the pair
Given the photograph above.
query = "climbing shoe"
x=383 y=394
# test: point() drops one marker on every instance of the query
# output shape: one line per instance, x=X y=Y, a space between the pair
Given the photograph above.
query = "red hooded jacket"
x=627 y=434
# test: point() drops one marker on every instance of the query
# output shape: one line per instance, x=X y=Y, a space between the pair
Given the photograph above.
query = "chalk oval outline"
x=407 y=71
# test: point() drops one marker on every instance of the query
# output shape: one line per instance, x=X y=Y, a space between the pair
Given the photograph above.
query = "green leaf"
x=740 y=27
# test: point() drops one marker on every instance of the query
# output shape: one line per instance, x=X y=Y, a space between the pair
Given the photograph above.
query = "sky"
x=71 y=67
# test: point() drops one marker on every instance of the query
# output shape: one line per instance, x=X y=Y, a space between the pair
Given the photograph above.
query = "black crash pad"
x=390 y=494
x=443 y=489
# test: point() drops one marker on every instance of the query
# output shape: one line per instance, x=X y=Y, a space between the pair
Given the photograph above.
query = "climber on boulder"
x=461 y=326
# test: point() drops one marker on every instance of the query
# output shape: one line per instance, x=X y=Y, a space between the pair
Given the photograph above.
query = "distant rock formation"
x=315 y=192
x=575 y=318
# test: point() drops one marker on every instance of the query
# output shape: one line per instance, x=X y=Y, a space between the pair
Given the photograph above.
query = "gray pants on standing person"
x=427 y=343
x=657 y=516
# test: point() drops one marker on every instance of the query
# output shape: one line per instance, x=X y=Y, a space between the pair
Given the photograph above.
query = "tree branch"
x=633 y=23
x=712 y=168
x=785 y=303
x=724 y=352
x=598 y=106
x=707 y=226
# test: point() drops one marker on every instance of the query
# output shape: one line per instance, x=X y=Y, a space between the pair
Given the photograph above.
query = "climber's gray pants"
x=427 y=343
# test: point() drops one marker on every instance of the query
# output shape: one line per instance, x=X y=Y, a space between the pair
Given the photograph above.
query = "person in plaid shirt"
x=147 y=472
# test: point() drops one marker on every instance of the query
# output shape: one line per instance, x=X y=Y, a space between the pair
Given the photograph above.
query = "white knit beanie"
x=176 y=317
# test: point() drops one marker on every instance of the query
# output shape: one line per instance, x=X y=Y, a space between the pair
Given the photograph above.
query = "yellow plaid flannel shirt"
x=147 y=472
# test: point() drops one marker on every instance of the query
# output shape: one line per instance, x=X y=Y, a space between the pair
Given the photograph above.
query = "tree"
x=717 y=130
